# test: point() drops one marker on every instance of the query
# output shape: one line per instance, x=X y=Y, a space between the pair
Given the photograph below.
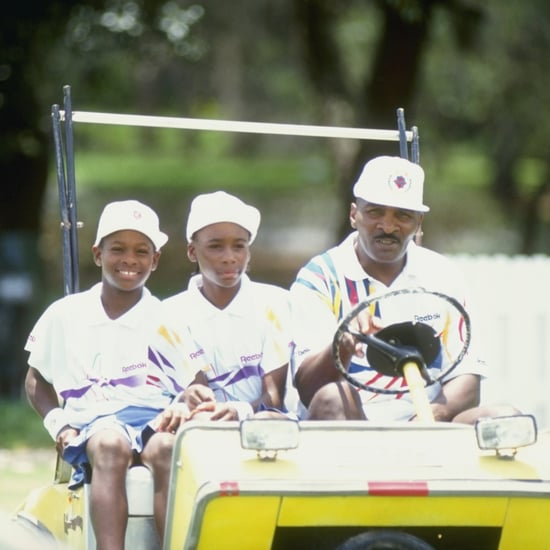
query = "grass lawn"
x=21 y=471
x=27 y=454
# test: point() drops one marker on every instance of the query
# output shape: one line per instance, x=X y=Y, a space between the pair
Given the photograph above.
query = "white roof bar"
x=235 y=126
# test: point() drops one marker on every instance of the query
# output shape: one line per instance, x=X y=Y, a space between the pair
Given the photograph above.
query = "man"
x=378 y=257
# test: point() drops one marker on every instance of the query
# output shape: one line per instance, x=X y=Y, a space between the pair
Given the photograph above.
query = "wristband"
x=244 y=408
x=55 y=421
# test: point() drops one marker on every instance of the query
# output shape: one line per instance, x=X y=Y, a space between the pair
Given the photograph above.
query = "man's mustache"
x=390 y=236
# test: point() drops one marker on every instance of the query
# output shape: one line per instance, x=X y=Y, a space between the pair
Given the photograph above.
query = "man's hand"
x=364 y=323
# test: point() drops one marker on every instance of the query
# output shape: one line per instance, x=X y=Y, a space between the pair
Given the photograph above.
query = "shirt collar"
x=132 y=318
x=205 y=309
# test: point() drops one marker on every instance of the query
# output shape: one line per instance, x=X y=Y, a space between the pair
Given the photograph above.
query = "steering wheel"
x=390 y=350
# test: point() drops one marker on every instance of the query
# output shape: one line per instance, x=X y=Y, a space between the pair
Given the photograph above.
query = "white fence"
x=513 y=298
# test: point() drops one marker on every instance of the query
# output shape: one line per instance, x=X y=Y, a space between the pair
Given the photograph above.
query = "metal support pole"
x=64 y=157
x=403 y=148
x=68 y=286
x=71 y=186
x=415 y=147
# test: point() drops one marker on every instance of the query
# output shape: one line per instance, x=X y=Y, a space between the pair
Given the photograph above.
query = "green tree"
x=485 y=87
x=389 y=68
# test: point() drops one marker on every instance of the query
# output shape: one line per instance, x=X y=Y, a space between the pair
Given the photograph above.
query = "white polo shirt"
x=97 y=365
x=238 y=344
x=330 y=285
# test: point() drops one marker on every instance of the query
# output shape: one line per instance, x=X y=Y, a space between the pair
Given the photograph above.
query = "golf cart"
x=285 y=485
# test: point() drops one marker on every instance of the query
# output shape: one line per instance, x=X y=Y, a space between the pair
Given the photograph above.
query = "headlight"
x=505 y=434
x=267 y=436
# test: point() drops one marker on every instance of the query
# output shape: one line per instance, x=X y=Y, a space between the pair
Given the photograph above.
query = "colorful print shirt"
x=330 y=285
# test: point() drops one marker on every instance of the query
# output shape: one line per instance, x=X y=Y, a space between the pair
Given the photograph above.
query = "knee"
x=502 y=410
x=336 y=401
x=158 y=451
x=470 y=416
x=269 y=414
x=109 y=448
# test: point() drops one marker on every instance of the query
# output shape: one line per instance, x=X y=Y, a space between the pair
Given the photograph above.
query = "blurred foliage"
x=22 y=427
x=484 y=91
x=477 y=88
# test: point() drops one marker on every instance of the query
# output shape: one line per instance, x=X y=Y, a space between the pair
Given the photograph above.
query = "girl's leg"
x=110 y=456
x=157 y=456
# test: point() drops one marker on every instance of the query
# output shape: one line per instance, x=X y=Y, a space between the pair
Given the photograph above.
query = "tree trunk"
x=24 y=153
x=391 y=83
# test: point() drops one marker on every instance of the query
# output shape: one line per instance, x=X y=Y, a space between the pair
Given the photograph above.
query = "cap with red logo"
x=392 y=181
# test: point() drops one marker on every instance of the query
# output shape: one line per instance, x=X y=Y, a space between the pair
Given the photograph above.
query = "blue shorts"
x=129 y=422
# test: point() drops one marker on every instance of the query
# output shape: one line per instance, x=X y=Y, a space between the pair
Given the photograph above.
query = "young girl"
x=240 y=326
x=89 y=350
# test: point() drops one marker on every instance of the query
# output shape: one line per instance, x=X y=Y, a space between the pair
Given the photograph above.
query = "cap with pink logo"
x=392 y=181
x=133 y=215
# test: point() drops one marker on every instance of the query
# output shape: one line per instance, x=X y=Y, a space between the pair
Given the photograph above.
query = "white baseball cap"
x=392 y=181
x=130 y=214
x=218 y=207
